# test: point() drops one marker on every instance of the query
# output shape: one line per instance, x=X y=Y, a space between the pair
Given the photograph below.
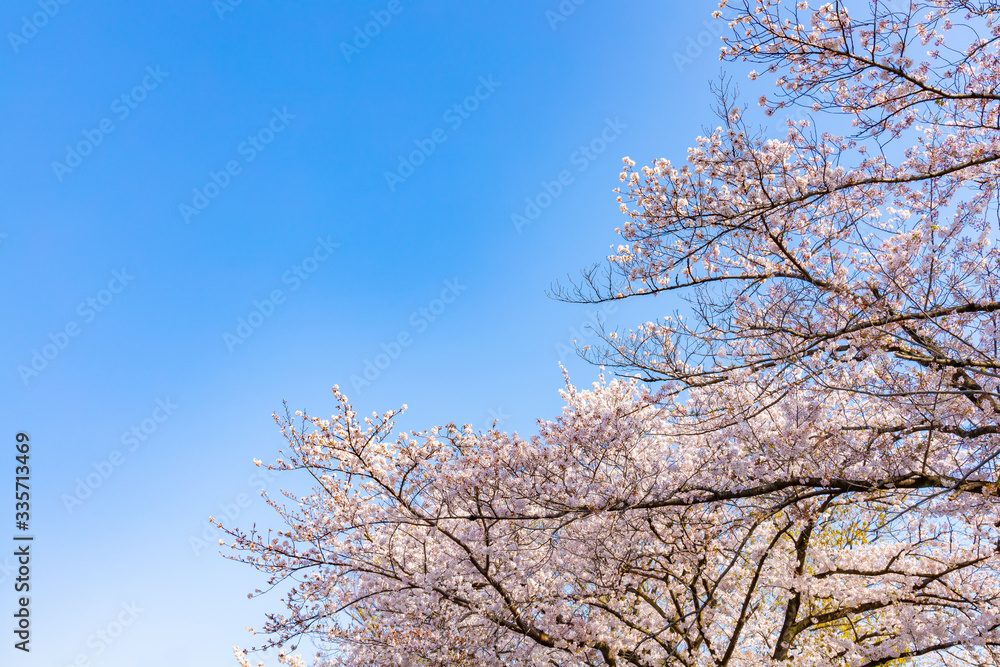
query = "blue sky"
x=198 y=224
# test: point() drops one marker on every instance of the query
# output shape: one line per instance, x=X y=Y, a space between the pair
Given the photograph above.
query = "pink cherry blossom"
x=799 y=467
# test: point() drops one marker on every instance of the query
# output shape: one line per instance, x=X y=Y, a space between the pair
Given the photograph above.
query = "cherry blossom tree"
x=799 y=467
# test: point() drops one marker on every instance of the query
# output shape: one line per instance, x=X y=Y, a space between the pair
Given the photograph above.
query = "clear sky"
x=209 y=208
